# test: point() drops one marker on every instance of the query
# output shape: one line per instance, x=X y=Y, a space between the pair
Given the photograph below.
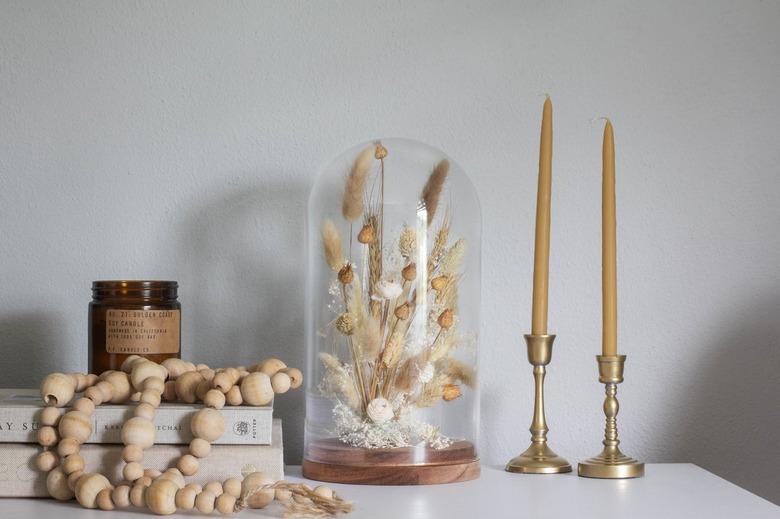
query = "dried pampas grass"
x=352 y=205
x=331 y=245
x=433 y=188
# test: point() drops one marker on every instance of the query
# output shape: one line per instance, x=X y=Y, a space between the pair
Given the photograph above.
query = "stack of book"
x=252 y=442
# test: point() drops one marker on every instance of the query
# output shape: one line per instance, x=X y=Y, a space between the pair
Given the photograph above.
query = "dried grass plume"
x=352 y=205
x=433 y=188
x=331 y=245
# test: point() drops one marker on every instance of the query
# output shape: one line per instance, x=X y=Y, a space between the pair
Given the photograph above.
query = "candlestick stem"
x=611 y=463
x=539 y=458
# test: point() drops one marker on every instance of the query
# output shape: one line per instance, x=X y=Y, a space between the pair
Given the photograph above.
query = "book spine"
x=20 y=478
x=243 y=425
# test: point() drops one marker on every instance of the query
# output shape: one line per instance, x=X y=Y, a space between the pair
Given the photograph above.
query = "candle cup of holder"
x=539 y=458
x=611 y=463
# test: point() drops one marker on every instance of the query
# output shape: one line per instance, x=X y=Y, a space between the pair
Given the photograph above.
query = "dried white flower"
x=387 y=290
x=379 y=410
x=407 y=242
x=426 y=374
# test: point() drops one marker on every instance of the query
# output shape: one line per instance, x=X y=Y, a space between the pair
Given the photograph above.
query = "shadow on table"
x=730 y=416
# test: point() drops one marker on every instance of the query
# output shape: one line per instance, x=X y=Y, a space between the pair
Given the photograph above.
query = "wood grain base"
x=332 y=461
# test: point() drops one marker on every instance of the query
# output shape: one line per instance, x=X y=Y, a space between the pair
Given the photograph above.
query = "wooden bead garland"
x=148 y=383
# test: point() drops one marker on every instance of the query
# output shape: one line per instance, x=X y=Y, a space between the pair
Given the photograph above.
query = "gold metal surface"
x=539 y=458
x=611 y=463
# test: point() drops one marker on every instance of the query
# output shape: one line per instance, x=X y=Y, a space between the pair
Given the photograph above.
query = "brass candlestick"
x=539 y=458
x=611 y=463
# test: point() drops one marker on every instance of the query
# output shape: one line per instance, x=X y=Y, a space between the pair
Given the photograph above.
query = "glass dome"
x=393 y=299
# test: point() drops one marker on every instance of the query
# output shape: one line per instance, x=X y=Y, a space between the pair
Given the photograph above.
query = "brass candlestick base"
x=539 y=458
x=611 y=463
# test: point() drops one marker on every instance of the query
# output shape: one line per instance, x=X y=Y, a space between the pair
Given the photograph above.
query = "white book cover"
x=244 y=425
x=20 y=478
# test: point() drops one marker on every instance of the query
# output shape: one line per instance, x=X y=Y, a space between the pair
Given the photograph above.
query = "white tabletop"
x=668 y=490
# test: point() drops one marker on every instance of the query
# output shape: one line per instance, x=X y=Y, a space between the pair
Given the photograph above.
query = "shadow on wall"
x=32 y=340
x=242 y=281
x=732 y=414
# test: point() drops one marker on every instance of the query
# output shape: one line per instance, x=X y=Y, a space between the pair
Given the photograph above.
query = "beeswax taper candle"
x=608 y=245
x=542 y=240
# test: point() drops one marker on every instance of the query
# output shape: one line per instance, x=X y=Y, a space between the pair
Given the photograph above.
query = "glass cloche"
x=393 y=299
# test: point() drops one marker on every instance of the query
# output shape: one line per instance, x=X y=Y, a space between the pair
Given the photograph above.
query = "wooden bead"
x=92 y=379
x=82 y=382
x=280 y=383
x=169 y=391
x=175 y=367
x=222 y=381
x=106 y=390
x=46 y=461
x=85 y=405
x=174 y=475
x=120 y=383
x=132 y=471
x=127 y=365
x=50 y=416
x=256 y=389
x=151 y=397
x=157 y=384
x=203 y=388
x=199 y=367
x=68 y=446
x=186 y=386
x=73 y=479
x=137 y=495
x=195 y=487
x=207 y=374
x=214 y=398
x=73 y=463
x=47 y=436
x=94 y=394
x=296 y=377
x=215 y=487
x=324 y=492
x=132 y=453
x=145 y=369
x=225 y=504
x=57 y=389
x=233 y=396
x=185 y=499
x=104 y=500
x=232 y=486
x=200 y=448
x=270 y=366
x=161 y=497
x=57 y=485
x=207 y=424
x=145 y=410
x=135 y=397
x=144 y=480
x=121 y=496
x=138 y=431
x=152 y=473
x=88 y=487
x=204 y=502
x=75 y=425
x=188 y=465
x=258 y=499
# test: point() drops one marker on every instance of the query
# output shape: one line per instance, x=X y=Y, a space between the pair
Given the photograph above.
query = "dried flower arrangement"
x=394 y=305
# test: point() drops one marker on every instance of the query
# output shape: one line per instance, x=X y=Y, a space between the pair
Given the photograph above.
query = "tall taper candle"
x=542 y=241
x=608 y=245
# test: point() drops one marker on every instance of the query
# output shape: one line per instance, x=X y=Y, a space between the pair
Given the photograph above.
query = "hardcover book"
x=20 y=478
x=244 y=425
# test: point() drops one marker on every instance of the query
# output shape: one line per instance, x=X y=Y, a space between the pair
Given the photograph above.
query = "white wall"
x=179 y=140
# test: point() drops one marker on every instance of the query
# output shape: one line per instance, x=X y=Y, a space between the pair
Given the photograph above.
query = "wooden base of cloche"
x=340 y=463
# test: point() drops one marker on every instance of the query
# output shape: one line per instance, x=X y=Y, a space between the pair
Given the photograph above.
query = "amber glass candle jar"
x=133 y=317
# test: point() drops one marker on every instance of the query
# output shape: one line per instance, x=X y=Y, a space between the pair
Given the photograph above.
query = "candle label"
x=142 y=331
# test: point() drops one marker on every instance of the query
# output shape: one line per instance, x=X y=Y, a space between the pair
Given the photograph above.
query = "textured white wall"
x=179 y=140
